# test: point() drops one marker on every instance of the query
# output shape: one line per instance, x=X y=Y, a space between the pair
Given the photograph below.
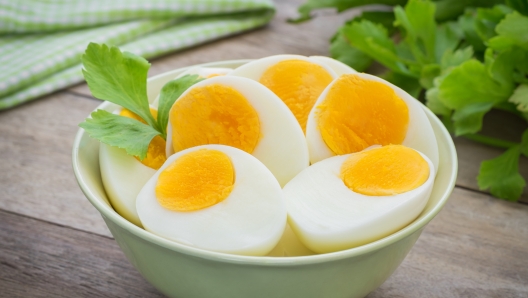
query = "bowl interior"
x=86 y=168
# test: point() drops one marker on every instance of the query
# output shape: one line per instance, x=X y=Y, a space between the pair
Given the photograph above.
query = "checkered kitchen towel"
x=41 y=41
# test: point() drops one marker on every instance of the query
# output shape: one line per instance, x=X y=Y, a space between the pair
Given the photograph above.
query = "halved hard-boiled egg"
x=296 y=80
x=350 y=200
x=123 y=175
x=359 y=110
x=241 y=113
x=217 y=198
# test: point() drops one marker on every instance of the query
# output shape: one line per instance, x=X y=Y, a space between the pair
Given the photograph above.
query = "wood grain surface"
x=36 y=174
x=40 y=259
x=53 y=243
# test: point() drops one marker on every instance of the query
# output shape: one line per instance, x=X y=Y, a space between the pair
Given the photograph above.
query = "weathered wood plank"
x=36 y=176
x=476 y=247
x=39 y=259
x=471 y=154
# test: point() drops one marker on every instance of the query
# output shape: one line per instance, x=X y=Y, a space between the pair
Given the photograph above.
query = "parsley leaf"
x=467 y=24
x=511 y=31
x=520 y=98
x=434 y=103
x=118 y=77
x=469 y=89
x=448 y=36
x=169 y=93
x=428 y=74
x=500 y=66
x=120 y=131
x=121 y=78
x=452 y=59
x=341 y=50
x=373 y=40
x=501 y=175
x=417 y=21
x=468 y=119
x=488 y=18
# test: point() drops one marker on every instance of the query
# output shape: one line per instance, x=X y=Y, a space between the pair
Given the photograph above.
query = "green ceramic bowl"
x=178 y=270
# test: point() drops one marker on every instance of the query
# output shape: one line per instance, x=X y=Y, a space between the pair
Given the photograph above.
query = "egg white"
x=327 y=216
x=282 y=145
x=337 y=66
x=123 y=177
x=419 y=136
x=250 y=221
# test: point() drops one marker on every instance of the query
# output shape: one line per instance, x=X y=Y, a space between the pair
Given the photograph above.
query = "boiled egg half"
x=241 y=113
x=350 y=200
x=357 y=111
x=216 y=198
x=296 y=80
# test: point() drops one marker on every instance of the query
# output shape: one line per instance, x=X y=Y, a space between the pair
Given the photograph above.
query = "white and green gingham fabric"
x=41 y=41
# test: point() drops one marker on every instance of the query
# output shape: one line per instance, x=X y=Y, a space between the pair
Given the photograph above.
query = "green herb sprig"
x=121 y=78
x=462 y=61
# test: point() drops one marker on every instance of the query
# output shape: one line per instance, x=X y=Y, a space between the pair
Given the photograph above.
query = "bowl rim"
x=109 y=213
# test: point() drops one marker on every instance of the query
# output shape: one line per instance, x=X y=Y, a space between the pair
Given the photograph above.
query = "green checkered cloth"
x=41 y=41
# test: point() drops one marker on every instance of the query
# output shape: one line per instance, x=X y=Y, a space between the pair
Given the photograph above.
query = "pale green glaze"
x=181 y=271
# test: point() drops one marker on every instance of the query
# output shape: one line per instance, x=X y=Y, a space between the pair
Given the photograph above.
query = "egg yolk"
x=156 y=150
x=298 y=83
x=385 y=171
x=195 y=181
x=358 y=113
x=214 y=114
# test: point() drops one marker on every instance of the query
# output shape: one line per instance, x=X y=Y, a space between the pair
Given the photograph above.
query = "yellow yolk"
x=298 y=83
x=214 y=114
x=156 y=151
x=358 y=113
x=384 y=171
x=196 y=180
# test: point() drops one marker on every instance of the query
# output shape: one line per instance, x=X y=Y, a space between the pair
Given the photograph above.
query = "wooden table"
x=54 y=243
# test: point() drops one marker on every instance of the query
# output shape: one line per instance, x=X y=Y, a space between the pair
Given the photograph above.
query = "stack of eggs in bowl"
x=287 y=176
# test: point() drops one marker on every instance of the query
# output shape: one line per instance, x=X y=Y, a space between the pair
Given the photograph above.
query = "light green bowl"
x=178 y=270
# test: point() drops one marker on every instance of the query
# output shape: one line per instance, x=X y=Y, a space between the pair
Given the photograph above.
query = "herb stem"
x=490 y=141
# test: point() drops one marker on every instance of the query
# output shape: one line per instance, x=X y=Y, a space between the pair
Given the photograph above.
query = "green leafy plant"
x=121 y=78
x=462 y=58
